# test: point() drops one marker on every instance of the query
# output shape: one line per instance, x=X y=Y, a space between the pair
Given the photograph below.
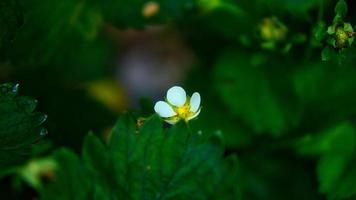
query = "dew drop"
x=15 y=88
x=41 y=118
x=43 y=132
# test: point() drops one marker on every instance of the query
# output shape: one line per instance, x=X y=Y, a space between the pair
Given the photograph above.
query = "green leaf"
x=71 y=180
x=235 y=134
x=70 y=45
x=94 y=150
x=344 y=188
x=341 y=8
x=19 y=126
x=122 y=14
x=335 y=148
x=252 y=95
x=230 y=186
x=319 y=32
x=225 y=18
x=326 y=90
x=327 y=54
x=145 y=162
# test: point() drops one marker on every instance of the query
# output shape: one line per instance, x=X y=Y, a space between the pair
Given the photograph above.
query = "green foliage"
x=67 y=46
x=340 y=35
x=335 y=148
x=251 y=93
x=19 y=127
x=70 y=176
x=144 y=163
x=327 y=90
x=328 y=54
x=286 y=116
x=341 y=8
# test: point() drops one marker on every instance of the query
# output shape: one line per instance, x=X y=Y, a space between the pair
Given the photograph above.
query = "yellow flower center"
x=184 y=111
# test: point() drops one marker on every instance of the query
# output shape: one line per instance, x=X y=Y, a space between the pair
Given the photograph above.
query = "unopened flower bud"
x=342 y=35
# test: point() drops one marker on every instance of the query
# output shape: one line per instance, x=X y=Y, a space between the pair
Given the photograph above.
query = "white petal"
x=195 y=102
x=163 y=109
x=195 y=115
x=176 y=96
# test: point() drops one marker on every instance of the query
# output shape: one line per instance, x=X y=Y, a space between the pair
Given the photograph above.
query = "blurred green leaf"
x=335 y=148
x=236 y=21
x=298 y=9
x=250 y=94
x=235 y=133
x=71 y=176
x=230 y=185
x=19 y=126
x=329 y=54
x=319 y=32
x=122 y=14
x=341 y=8
x=37 y=170
x=66 y=40
x=326 y=54
x=326 y=90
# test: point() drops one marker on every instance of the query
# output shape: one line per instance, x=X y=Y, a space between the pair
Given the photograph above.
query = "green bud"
x=341 y=38
x=342 y=35
x=271 y=29
x=272 y=32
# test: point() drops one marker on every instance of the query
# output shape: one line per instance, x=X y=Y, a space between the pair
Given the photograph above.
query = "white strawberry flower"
x=178 y=106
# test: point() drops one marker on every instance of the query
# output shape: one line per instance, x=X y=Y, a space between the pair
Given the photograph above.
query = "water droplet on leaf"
x=43 y=132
